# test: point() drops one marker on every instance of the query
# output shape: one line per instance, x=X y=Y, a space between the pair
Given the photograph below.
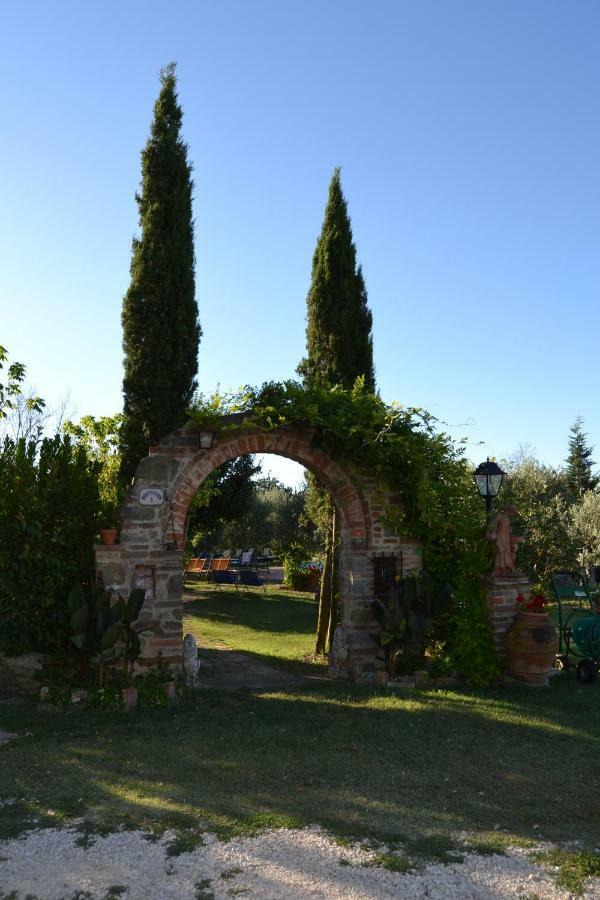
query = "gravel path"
x=277 y=864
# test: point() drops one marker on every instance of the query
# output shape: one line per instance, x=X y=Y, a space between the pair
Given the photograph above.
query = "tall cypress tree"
x=579 y=461
x=339 y=343
x=161 y=331
x=339 y=347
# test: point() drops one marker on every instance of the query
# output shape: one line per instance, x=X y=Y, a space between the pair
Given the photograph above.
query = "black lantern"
x=205 y=439
x=488 y=478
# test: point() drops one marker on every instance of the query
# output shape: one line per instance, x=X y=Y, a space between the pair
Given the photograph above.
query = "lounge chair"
x=195 y=567
x=225 y=577
x=252 y=579
x=247 y=558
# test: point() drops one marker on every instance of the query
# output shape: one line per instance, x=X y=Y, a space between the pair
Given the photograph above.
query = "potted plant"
x=110 y=517
x=531 y=642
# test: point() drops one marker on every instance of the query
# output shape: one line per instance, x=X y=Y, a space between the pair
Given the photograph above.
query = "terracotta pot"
x=531 y=645
x=109 y=536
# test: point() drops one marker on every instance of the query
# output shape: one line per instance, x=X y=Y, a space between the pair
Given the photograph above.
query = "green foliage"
x=572 y=868
x=585 y=528
x=49 y=508
x=292 y=571
x=543 y=500
x=11 y=388
x=225 y=496
x=160 y=314
x=405 y=616
x=338 y=332
x=103 y=631
x=270 y=516
x=579 y=462
x=101 y=438
x=472 y=650
x=398 y=446
x=298 y=574
x=150 y=684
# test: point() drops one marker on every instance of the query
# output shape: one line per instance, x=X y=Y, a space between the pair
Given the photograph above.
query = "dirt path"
x=222 y=667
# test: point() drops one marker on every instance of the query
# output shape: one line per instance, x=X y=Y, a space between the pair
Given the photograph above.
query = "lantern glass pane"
x=482 y=484
x=495 y=483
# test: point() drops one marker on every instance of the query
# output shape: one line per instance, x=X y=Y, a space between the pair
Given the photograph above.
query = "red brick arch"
x=294 y=444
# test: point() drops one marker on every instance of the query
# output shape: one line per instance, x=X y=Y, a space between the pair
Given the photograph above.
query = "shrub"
x=472 y=650
x=49 y=507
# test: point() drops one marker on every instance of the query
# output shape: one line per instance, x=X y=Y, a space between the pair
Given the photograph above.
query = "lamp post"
x=488 y=478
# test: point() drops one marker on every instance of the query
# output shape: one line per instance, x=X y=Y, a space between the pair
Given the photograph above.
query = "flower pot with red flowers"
x=531 y=641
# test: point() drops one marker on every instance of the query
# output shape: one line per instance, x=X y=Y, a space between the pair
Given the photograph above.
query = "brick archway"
x=293 y=443
x=152 y=537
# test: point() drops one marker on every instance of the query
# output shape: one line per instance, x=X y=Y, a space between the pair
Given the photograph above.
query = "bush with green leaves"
x=49 y=509
x=471 y=646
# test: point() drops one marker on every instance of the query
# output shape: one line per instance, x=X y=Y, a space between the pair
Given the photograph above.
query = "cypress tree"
x=339 y=343
x=339 y=347
x=579 y=461
x=161 y=331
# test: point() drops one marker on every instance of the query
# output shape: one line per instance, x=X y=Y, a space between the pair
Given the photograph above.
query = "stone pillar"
x=501 y=601
x=357 y=590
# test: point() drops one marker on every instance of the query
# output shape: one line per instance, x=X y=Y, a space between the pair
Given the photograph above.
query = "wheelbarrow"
x=578 y=626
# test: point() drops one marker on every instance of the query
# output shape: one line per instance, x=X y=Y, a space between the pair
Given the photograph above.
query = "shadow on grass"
x=354 y=761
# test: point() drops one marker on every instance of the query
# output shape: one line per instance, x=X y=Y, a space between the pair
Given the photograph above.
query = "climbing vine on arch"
x=401 y=447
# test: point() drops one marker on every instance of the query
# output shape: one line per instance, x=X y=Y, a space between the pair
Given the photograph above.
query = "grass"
x=414 y=774
x=571 y=868
x=423 y=768
x=277 y=628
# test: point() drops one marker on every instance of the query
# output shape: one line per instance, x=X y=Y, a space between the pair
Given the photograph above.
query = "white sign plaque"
x=152 y=496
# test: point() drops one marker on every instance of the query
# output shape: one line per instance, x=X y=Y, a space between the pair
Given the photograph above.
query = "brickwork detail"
x=501 y=601
x=155 y=536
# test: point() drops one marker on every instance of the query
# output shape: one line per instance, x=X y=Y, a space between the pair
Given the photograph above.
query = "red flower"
x=535 y=601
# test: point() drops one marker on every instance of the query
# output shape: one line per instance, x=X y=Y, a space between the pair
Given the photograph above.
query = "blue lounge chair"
x=220 y=578
x=249 y=578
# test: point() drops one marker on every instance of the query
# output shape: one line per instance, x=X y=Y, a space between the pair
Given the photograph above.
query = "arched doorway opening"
x=154 y=519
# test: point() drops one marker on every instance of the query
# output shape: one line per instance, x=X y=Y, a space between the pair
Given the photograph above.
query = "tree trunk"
x=334 y=605
x=325 y=592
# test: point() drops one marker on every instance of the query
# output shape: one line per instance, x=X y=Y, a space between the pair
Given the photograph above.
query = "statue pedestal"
x=501 y=600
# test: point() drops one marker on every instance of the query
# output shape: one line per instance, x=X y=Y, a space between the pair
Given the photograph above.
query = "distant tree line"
x=558 y=508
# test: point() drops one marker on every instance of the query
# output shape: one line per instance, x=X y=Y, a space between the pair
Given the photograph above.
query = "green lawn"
x=520 y=763
x=278 y=629
x=505 y=765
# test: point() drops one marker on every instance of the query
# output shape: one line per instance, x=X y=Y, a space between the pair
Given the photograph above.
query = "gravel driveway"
x=277 y=864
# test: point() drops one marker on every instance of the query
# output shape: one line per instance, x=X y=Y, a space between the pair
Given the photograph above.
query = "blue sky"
x=469 y=139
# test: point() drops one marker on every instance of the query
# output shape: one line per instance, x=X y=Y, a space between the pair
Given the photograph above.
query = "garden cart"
x=578 y=625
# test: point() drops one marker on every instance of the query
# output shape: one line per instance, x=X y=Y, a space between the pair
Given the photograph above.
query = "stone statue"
x=338 y=654
x=191 y=663
x=503 y=542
